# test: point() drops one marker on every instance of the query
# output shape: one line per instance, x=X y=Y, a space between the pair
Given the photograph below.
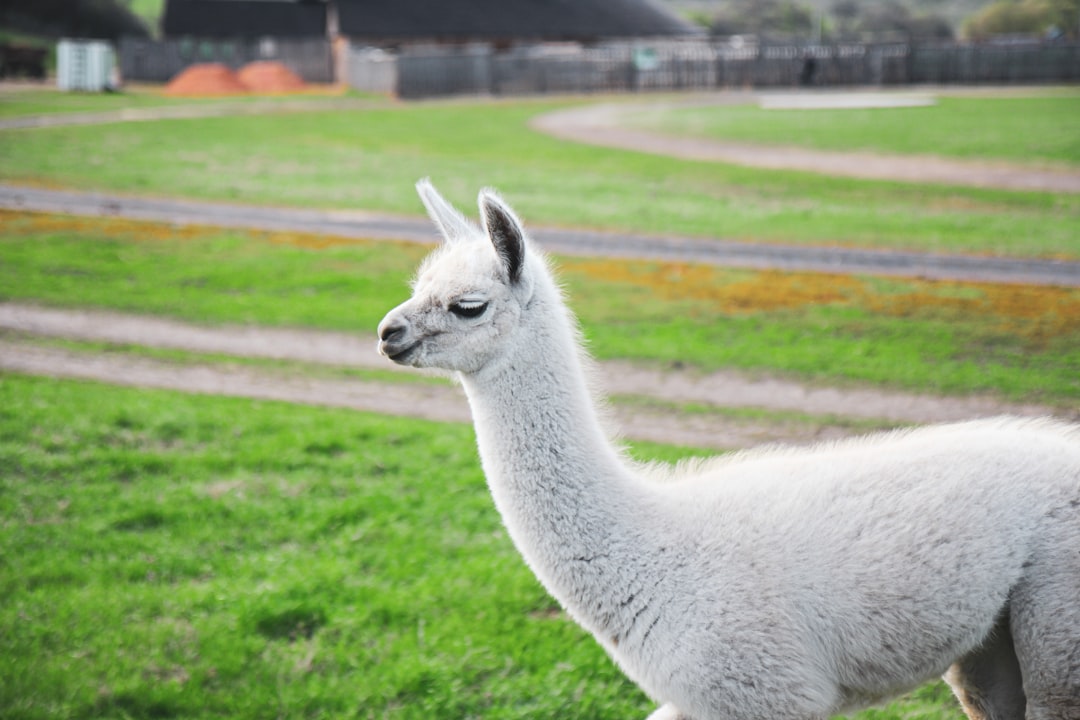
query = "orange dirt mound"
x=270 y=77
x=206 y=79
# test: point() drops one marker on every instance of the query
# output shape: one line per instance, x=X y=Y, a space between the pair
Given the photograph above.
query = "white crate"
x=84 y=65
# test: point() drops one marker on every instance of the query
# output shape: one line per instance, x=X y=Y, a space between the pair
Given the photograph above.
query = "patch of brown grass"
x=1034 y=313
x=28 y=223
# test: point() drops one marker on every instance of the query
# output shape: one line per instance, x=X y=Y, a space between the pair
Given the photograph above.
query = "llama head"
x=468 y=296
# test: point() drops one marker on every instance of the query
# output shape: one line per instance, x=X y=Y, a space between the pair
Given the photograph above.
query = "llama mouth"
x=402 y=355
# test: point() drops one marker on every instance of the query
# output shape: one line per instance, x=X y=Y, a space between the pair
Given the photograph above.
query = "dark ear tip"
x=505 y=232
x=493 y=207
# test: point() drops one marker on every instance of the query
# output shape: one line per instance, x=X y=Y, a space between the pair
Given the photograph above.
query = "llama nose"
x=391 y=331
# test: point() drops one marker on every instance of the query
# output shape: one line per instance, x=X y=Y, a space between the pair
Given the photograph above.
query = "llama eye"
x=468 y=308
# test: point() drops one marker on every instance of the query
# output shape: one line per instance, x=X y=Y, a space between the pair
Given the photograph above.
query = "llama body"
x=772 y=584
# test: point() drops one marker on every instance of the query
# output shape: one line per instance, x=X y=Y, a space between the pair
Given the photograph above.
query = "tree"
x=893 y=18
x=1065 y=15
x=764 y=17
x=844 y=14
x=107 y=19
x=1009 y=17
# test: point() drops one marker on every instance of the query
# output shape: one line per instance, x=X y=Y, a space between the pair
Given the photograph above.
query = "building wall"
x=161 y=60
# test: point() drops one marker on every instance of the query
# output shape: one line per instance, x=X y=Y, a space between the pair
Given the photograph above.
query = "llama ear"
x=453 y=225
x=504 y=230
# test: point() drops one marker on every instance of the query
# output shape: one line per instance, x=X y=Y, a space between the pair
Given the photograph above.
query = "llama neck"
x=562 y=489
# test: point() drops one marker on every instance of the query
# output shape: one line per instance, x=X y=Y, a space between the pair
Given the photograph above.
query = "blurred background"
x=347 y=41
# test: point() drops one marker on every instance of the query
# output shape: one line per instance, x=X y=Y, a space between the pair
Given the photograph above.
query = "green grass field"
x=48 y=102
x=27 y=102
x=370 y=159
x=173 y=556
x=1030 y=129
x=30 y=101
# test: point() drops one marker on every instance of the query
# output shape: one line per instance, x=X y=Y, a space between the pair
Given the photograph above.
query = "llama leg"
x=987 y=681
x=1045 y=621
x=667 y=712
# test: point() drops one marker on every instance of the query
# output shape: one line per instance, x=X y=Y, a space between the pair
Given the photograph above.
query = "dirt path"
x=428 y=402
x=602 y=125
x=646 y=418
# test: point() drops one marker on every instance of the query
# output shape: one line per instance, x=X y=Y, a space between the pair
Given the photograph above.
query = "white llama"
x=783 y=584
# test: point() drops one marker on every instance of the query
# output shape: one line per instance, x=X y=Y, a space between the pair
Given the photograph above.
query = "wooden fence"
x=161 y=60
x=436 y=71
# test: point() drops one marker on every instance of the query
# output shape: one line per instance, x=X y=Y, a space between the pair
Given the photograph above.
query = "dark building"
x=397 y=22
x=403 y=22
x=70 y=18
x=244 y=19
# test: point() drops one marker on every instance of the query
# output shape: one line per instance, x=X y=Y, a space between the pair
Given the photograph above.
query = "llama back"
x=1020 y=441
x=966 y=481
x=883 y=551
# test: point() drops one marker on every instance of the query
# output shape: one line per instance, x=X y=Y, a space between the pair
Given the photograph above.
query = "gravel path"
x=644 y=419
x=428 y=402
x=602 y=125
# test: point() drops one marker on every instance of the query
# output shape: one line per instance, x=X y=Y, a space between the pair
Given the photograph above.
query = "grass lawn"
x=173 y=556
x=22 y=102
x=1013 y=341
x=16 y=103
x=370 y=159
x=1023 y=129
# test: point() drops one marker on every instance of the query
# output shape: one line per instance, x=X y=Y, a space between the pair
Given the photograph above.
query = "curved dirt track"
x=602 y=125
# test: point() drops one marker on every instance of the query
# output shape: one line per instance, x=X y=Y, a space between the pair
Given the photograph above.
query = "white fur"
x=780 y=583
